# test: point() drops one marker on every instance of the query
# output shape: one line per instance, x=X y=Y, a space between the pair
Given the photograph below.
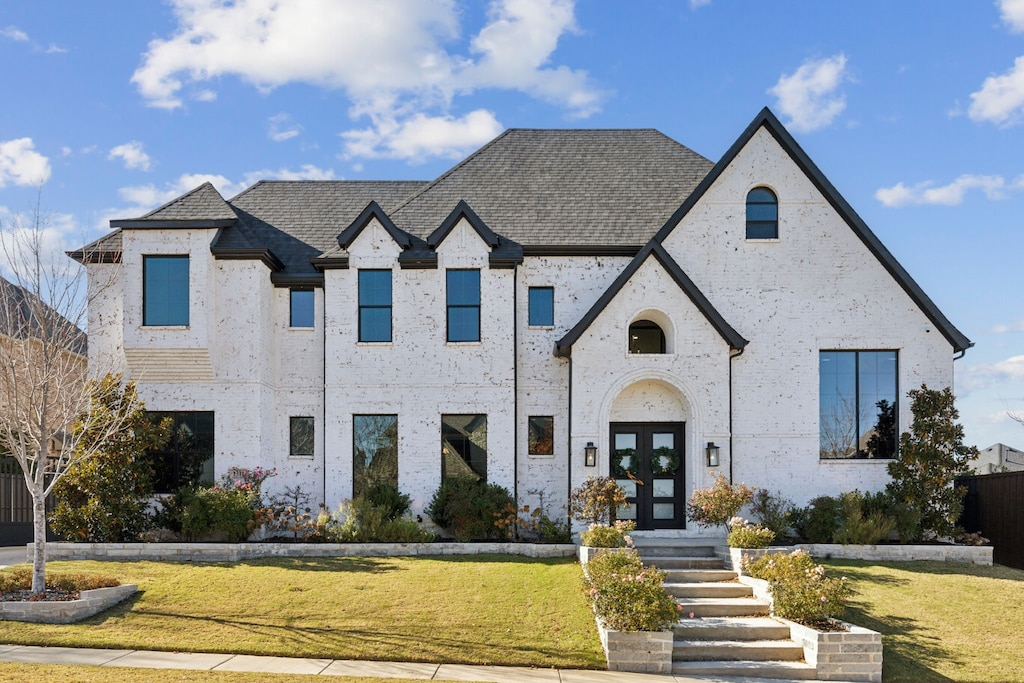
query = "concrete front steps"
x=730 y=632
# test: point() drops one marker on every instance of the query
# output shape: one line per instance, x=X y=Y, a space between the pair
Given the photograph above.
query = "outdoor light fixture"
x=590 y=454
x=712 y=451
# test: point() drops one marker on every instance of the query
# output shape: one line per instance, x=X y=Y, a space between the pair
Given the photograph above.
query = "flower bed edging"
x=587 y=553
x=637 y=651
x=968 y=554
x=89 y=603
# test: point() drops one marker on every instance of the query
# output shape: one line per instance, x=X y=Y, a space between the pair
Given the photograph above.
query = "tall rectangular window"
x=186 y=459
x=301 y=435
x=542 y=435
x=542 y=306
x=464 y=446
x=374 y=452
x=165 y=290
x=301 y=307
x=374 y=305
x=463 y=305
x=858 y=400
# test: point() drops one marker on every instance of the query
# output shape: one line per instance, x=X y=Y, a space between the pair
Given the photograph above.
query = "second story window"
x=302 y=307
x=165 y=290
x=762 y=214
x=542 y=307
x=374 y=305
x=463 y=305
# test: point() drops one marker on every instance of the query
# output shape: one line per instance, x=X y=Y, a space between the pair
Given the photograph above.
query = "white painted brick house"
x=554 y=290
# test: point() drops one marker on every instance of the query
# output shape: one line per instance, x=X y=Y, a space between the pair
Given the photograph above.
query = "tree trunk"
x=39 y=533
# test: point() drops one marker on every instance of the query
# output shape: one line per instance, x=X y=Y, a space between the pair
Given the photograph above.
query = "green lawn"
x=468 y=610
x=96 y=674
x=941 y=621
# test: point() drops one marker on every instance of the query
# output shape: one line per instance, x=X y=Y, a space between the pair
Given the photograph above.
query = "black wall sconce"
x=590 y=454
x=712 y=451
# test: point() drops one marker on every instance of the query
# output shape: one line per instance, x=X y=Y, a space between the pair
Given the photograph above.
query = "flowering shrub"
x=743 y=534
x=800 y=589
x=601 y=536
x=596 y=500
x=626 y=596
x=716 y=505
x=249 y=481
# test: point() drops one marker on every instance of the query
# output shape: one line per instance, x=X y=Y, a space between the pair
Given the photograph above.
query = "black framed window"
x=301 y=307
x=542 y=306
x=858 y=404
x=187 y=457
x=463 y=292
x=165 y=290
x=464 y=446
x=646 y=336
x=762 y=214
x=374 y=305
x=301 y=435
x=542 y=435
x=374 y=452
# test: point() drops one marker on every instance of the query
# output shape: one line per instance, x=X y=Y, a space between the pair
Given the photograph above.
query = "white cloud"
x=1011 y=368
x=21 y=164
x=1017 y=326
x=132 y=154
x=281 y=128
x=305 y=172
x=809 y=95
x=14 y=33
x=398 y=61
x=980 y=377
x=945 y=195
x=421 y=136
x=1001 y=98
x=145 y=198
x=1012 y=12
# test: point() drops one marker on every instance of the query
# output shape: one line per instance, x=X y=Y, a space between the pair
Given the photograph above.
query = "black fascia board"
x=767 y=119
x=581 y=250
x=263 y=254
x=330 y=263
x=291 y=280
x=463 y=210
x=507 y=254
x=563 y=347
x=141 y=223
x=373 y=210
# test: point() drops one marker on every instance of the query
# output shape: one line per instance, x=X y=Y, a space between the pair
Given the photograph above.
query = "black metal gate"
x=16 y=505
x=994 y=506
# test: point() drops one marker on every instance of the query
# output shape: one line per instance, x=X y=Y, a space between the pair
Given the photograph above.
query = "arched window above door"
x=646 y=336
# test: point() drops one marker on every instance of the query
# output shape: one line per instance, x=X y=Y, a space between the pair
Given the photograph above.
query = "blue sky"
x=914 y=110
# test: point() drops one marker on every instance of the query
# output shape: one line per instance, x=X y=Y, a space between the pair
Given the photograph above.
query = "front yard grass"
x=940 y=621
x=11 y=673
x=484 y=609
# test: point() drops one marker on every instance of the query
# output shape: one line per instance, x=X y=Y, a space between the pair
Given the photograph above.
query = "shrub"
x=553 y=530
x=20 y=579
x=800 y=590
x=972 y=539
x=248 y=481
x=626 y=596
x=615 y=536
x=747 y=535
x=596 y=500
x=716 y=505
x=772 y=511
x=385 y=497
x=217 y=512
x=857 y=526
x=820 y=520
x=360 y=521
x=469 y=509
x=291 y=513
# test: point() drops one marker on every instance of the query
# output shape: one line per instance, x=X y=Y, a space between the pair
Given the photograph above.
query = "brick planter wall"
x=851 y=655
x=968 y=554
x=637 y=651
x=67 y=611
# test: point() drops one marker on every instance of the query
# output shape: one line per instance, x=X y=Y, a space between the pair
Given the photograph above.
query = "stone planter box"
x=968 y=554
x=637 y=651
x=587 y=553
x=67 y=611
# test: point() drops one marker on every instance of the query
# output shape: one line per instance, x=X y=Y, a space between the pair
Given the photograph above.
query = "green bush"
x=820 y=520
x=859 y=527
x=626 y=596
x=216 y=512
x=470 y=509
x=748 y=535
x=386 y=498
x=615 y=536
x=553 y=530
x=360 y=521
x=800 y=590
x=772 y=511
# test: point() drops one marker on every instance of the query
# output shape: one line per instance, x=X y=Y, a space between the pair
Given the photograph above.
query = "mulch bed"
x=51 y=595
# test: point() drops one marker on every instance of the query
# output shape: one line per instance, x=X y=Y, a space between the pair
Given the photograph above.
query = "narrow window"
x=542 y=306
x=464 y=446
x=646 y=337
x=542 y=435
x=857 y=404
x=186 y=459
x=374 y=305
x=374 y=452
x=300 y=436
x=302 y=307
x=165 y=290
x=762 y=214
x=463 y=305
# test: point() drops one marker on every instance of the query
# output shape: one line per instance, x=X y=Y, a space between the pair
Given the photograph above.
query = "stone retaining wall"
x=637 y=651
x=967 y=554
x=67 y=611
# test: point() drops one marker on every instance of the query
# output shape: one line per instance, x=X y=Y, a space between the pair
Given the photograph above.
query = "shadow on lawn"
x=369 y=565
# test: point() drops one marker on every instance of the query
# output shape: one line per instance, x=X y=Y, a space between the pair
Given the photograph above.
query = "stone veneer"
x=637 y=651
x=67 y=611
x=967 y=554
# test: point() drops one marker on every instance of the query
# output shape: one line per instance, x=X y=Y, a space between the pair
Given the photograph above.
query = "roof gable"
x=372 y=212
x=460 y=212
x=203 y=207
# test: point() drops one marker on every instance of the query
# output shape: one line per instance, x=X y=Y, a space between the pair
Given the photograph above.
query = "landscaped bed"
x=478 y=610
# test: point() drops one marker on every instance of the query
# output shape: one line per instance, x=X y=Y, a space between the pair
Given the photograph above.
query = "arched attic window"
x=646 y=336
x=762 y=214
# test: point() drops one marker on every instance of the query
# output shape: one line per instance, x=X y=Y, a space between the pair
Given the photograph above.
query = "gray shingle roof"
x=202 y=203
x=23 y=315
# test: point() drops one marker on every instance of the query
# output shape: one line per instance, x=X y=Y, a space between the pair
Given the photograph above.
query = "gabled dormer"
x=504 y=253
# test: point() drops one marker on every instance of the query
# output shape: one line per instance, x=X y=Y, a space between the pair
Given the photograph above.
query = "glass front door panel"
x=647 y=461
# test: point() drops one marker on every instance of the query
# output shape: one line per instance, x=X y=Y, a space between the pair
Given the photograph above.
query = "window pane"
x=762 y=212
x=374 y=451
x=165 y=290
x=463 y=287
x=301 y=436
x=646 y=337
x=761 y=195
x=762 y=231
x=464 y=446
x=876 y=374
x=542 y=306
x=375 y=324
x=374 y=287
x=542 y=435
x=858 y=399
x=302 y=308
x=187 y=457
x=463 y=324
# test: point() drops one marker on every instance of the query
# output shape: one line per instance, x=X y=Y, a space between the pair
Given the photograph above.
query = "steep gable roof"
x=203 y=207
x=23 y=315
x=370 y=213
x=767 y=120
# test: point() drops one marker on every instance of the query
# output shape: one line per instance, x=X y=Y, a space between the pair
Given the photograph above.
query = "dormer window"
x=762 y=214
x=645 y=336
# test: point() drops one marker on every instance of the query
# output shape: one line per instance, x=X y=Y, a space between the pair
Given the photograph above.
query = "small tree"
x=719 y=504
x=596 y=500
x=104 y=498
x=932 y=455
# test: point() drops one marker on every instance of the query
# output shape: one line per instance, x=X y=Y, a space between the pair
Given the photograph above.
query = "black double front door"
x=648 y=462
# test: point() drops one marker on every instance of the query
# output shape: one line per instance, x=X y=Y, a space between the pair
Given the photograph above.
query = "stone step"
x=649 y=549
x=737 y=650
x=698 y=575
x=786 y=670
x=723 y=607
x=708 y=589
x=730 y=628
x=683 y=562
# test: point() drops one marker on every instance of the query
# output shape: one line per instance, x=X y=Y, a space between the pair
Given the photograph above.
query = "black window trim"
x=548 y=288
x=291 y=308
x=896 y=446
x=292 y=421
x=773 y=223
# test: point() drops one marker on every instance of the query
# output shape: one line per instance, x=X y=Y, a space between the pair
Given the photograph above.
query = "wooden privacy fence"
x=994 y=506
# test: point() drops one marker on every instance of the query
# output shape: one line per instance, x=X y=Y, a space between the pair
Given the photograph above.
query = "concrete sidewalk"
x=328 y=667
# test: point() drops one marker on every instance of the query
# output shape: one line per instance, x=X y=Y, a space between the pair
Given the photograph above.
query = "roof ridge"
x=182 y=198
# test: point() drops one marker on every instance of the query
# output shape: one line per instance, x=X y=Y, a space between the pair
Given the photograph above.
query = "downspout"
x=732 y=356
x=962 y=353
x=515 y=382
x=568 y=451
x=323 y=429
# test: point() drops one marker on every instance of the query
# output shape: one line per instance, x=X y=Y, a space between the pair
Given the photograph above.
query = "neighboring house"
x=560 y=304
x=999 y=458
